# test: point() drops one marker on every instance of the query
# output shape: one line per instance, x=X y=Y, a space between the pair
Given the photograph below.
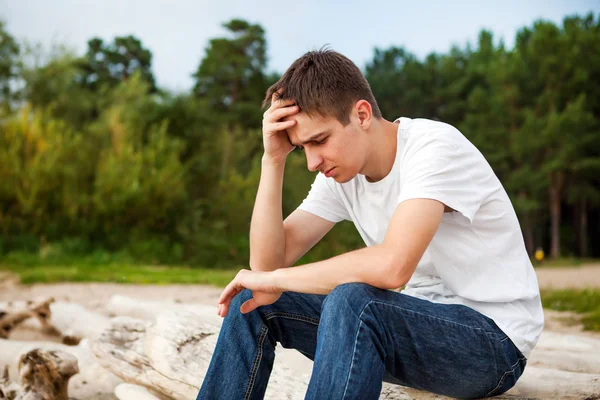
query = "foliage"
x=99 y=164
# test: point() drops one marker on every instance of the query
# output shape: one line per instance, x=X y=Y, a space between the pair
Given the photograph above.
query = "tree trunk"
x=227 y=143
x=583 y=239
x=555 y=191
x=528 y=232
x=527 y=229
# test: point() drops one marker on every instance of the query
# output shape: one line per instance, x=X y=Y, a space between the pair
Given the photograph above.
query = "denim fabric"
x=359 y=336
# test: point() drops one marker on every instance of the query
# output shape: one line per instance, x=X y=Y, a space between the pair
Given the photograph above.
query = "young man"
x=434 y=217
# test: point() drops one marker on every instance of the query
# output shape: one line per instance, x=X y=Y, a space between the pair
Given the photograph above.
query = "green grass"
x=585 y=302
x=139 y=274
x=564 y=262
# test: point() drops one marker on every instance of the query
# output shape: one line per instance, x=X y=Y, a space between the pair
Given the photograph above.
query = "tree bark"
x=527 y=229
x=583 y=234
x=555 y=193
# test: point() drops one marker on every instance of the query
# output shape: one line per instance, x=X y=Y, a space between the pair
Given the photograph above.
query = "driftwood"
x=44 y=375
x=172 y=355
x=13 y=314
x=126 y=391
x=11 y=351
x=63 y=321
x=161 y=350
x=62 y=325
x=169 y=353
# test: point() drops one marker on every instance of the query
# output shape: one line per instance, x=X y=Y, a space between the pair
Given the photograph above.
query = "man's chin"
x=341 y=178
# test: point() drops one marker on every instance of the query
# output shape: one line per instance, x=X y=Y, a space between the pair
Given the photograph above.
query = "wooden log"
x=13 y=314
x=120 y=349
x=69 y=321
x=547 y=383
x=177 y=344
x=44 y=375
x=127 y=391
x=79 y=385
x=171 y=357
x=9 y=390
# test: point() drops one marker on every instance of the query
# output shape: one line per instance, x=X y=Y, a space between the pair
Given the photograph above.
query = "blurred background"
x=130 y=131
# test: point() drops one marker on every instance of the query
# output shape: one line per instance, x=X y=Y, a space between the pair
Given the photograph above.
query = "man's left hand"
x=262 y=285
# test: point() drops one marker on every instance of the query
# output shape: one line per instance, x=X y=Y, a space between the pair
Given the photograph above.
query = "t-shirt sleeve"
x=443 y=166
x=324 y=202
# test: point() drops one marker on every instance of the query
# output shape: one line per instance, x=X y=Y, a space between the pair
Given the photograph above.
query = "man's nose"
x=313 y=160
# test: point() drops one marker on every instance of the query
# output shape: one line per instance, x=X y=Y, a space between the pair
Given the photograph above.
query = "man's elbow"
x=398 y=273
x=266 y=263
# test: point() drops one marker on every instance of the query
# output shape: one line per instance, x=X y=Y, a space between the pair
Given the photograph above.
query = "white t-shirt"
x=477 y=256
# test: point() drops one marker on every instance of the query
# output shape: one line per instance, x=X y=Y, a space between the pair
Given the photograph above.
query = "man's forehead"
x=307 y=129
x=304 y=138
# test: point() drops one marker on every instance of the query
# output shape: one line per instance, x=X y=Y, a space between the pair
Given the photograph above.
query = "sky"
x=178 y=31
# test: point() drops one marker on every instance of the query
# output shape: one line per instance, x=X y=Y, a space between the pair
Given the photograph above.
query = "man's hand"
x=261 y=284
x=275 y=139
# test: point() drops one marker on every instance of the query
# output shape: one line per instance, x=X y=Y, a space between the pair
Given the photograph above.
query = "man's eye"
x=321 y=142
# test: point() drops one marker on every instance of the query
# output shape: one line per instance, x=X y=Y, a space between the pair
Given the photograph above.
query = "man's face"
x=337 y=151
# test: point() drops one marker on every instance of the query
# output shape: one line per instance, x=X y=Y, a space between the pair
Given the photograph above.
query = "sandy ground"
x=95 y=295
x=586 y=275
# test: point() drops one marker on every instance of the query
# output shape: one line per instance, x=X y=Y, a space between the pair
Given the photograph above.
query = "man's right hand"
x=275 y=139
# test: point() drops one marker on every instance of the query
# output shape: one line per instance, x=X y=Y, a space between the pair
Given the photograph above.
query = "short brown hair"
x=326 y=83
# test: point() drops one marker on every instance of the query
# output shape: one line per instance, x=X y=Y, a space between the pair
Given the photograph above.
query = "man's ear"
x=364 y=112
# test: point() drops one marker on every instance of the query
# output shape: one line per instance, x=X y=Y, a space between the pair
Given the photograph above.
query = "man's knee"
x=351 y=296
x=239 y=299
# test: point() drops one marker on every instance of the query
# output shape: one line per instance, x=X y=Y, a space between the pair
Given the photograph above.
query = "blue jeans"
x=359 y=336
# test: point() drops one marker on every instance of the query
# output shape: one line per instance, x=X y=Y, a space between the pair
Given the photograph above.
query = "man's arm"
x=267 y=239
x=275 y=243
x=387 y=266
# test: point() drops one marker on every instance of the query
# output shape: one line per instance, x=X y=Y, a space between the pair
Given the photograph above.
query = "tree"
x=110 y=64
x=231 y=79
x=9 y=52
x=232 y=74
x=53 y=86
x=402 y=84
x=558 y=119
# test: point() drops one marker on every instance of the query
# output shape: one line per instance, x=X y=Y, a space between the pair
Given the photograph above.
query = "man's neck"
x=381 y=158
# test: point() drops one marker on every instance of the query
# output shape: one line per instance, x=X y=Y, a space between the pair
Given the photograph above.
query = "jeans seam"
x=356 y=341
x=257 y=360
x=297 y=317
x=353 y=354
x=511 y=371
x=426 y=315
